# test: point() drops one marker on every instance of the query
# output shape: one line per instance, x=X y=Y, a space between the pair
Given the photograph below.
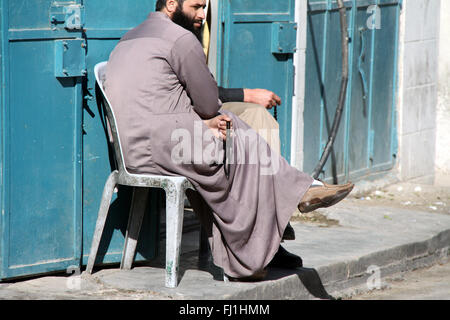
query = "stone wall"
x=418 y=85
x=443 y=108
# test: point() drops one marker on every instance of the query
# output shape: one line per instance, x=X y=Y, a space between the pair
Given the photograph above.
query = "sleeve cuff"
x=231 y=94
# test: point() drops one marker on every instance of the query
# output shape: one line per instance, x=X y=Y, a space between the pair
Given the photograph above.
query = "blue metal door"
x=42 y=64
x=257 y=40
x=366 y=142
x=106 y=22
x=54 y=158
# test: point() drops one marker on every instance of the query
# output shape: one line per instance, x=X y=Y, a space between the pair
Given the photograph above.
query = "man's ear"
x=171 y=6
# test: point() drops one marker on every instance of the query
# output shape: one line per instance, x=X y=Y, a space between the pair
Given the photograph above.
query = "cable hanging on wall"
x=343 y=92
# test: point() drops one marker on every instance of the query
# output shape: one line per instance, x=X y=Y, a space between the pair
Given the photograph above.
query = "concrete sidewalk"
x=350 y=247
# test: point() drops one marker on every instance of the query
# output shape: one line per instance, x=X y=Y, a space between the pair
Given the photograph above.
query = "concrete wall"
x=298 y=100
x=418 y=85
x=443 y=109
x=212 y=61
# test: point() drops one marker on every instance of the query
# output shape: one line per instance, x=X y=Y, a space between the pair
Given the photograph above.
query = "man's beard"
x=183 y=20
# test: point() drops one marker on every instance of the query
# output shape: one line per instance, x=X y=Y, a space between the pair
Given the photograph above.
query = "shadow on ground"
x=308 y=276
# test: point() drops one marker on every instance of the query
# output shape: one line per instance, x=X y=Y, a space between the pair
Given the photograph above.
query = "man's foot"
x=285 y=259
x=324 y=196
x=289 y=233
x=258 y=276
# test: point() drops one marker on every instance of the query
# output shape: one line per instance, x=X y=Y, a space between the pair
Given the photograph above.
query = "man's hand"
x=263 y=97
x=218 y=125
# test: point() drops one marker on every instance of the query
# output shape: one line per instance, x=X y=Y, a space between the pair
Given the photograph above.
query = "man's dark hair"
x=160 y=4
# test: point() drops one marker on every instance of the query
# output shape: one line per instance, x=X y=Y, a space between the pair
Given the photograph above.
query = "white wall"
x=298 y=101
x=443 y=109
x=212 y=62
x=418 y=84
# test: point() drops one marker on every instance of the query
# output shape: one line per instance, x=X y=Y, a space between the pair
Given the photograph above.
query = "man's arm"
x=231 y=95
x=188 y=61
x=263 y=97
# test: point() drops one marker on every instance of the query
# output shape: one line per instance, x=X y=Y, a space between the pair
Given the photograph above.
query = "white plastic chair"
x=175 y=188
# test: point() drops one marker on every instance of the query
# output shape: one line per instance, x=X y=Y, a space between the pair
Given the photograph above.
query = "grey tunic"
x=161 y=89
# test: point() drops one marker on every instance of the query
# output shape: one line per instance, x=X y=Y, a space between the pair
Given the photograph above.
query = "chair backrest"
x=100 y=76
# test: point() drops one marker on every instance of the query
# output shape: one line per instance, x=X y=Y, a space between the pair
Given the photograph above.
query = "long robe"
x=161 y=90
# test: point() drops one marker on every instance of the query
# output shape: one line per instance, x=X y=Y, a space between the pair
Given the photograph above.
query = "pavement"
x=431 y=283
x=347 y=249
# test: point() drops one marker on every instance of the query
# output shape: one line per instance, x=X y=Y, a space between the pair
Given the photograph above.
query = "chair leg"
x=174 y=228
x=137 y=211
x=108 y=191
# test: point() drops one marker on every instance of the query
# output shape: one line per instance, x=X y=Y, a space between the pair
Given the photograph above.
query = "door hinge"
x=284 y=37
x=70 y=58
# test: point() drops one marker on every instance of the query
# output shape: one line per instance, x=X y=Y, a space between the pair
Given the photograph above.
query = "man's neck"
x=166 y=12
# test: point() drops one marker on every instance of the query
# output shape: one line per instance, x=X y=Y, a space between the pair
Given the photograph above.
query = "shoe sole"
x=324 y=203
x=259 y=276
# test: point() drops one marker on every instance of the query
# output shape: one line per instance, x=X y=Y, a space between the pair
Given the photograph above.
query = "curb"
x=343 y=279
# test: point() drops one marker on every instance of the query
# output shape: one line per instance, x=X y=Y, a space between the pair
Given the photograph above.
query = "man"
x=159 y=85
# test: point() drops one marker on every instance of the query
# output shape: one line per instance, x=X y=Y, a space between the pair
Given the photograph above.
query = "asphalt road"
x=423 y=284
